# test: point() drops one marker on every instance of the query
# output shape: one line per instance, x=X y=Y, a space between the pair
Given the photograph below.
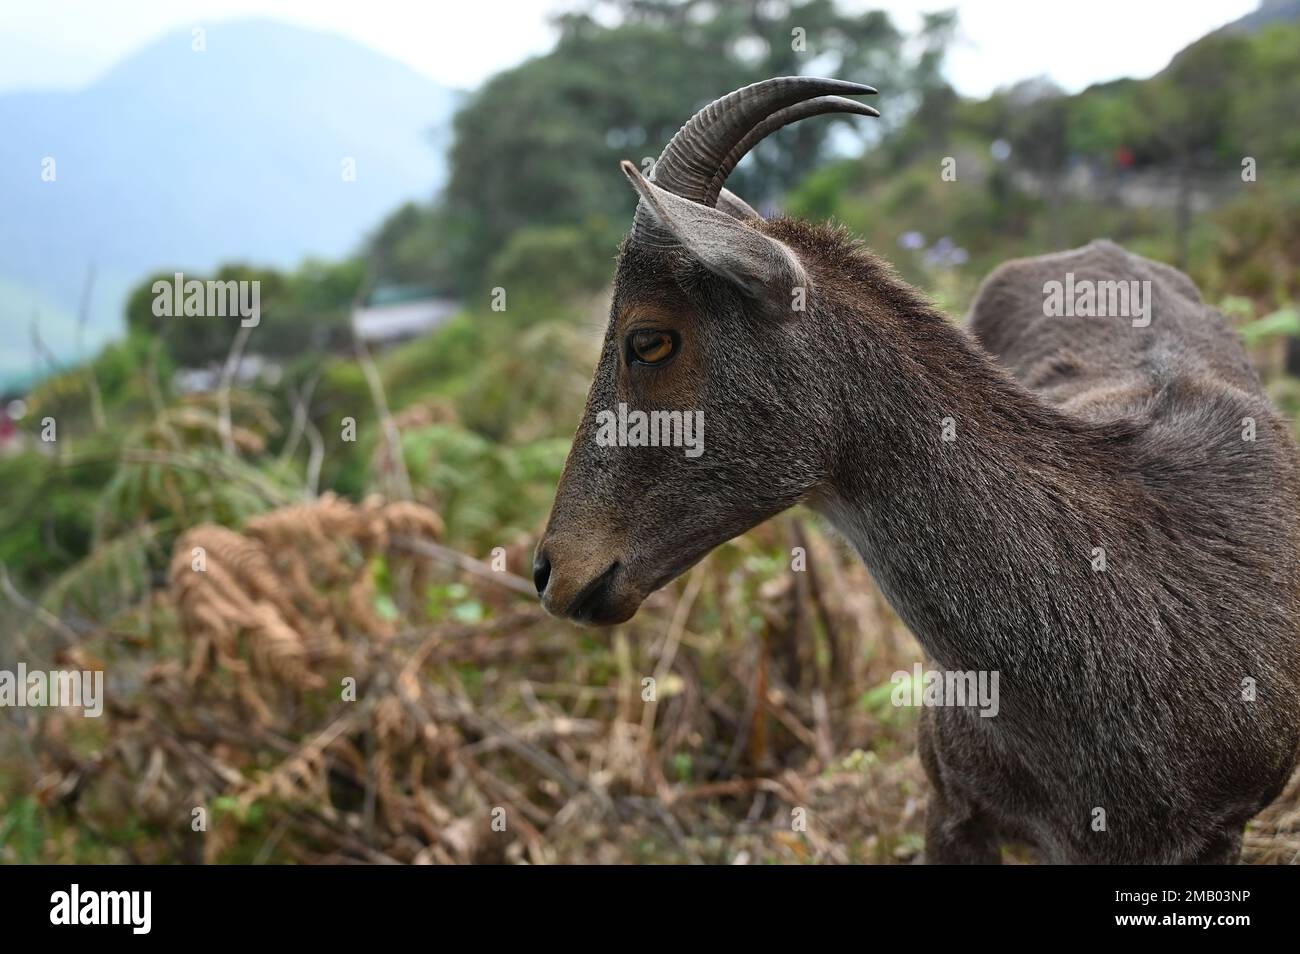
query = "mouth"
x=599 y=603
x=590 y=605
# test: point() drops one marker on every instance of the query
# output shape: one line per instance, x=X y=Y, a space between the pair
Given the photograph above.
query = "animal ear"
x=735 y=206
x=759 y=266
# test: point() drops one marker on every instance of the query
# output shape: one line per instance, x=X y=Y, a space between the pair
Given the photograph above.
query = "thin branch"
x=40 y=612
x=152 y=383
x=38 y=344
x=666 y=658
x=92 y=382
x=392 y=434
x=315 y=460
x=455 y=557
x=228 y=373
x=301 y=405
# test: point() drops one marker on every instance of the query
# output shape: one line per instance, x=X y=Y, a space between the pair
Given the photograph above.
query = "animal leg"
x=957 y=832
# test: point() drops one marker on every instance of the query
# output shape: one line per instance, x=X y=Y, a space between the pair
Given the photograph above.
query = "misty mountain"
x=1269 y=13
x=183 y=158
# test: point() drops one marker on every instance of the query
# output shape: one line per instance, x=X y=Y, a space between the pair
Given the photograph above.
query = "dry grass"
x=483 y=731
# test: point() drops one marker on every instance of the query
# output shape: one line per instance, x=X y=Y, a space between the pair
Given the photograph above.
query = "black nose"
x=541 y=572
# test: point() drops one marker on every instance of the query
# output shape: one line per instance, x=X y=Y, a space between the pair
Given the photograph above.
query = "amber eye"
x=651 y=347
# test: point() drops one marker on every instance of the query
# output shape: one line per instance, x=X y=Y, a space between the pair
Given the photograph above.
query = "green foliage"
x=819 y=196
x=537 y=206
x=1223 y=98
x=485 y=492
x=503 y=381
x=89 y=521
x=196 y=485
x=440 y=362
x=47 y=509
x=127 y=370
x=1257 y=241
x=538 y=145
x=312 y=310
x=193 y=341
x=1108 y=118
x=128 y=374
x=22 y=832
x=547 y=266
x=1285 y=321
x=411 y=247
x=341 y=391
x=535 y=387
x=308 y=309
x=111 y=578
x=453 y=601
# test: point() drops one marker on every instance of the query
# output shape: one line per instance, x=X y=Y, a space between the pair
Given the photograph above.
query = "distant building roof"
x=393 y=312
x=252 y=368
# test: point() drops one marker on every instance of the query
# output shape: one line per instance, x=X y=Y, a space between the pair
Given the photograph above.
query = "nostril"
x=541 y=572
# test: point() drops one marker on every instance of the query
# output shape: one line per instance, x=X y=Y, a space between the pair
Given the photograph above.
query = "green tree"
x=538 y=145
x=414 y=245
x=308 y=309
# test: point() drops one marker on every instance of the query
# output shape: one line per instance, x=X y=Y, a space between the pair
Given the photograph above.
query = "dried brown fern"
x=456 y=725
x=269 y=605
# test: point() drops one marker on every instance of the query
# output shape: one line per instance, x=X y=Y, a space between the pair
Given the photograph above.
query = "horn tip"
x=843 y=105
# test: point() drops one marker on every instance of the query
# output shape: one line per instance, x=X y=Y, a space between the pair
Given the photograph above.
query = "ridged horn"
x=691 y=159
x=791 y=114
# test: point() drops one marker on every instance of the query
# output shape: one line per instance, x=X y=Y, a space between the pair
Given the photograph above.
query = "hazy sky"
x=67 y=43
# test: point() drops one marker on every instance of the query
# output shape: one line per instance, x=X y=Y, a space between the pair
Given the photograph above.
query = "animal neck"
x=961 y=490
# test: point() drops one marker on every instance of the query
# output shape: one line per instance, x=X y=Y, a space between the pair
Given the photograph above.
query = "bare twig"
x=392 y=434
x=38 y=344
x=447 y=555
x=301 y=406
x=41 y=613
x=315 y=460
x=669 y=654
x=92 y=382
x=151 y=377
x=228 y=373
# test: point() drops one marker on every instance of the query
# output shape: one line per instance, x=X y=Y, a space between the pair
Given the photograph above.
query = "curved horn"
x=784 y=117
x=689 y=161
